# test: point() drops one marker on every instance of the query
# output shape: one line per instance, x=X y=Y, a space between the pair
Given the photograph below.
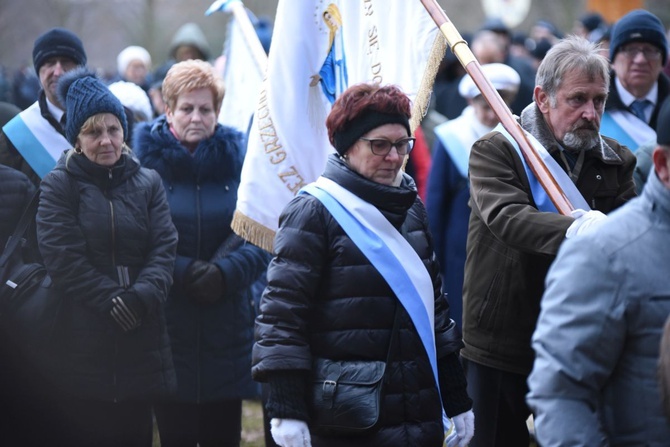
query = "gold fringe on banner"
x=422 y=99
x=252 y=231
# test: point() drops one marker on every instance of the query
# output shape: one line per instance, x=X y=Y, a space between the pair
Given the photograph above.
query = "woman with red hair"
x=354 y=281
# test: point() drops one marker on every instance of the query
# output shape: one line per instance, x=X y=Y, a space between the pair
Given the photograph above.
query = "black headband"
x=364 y=123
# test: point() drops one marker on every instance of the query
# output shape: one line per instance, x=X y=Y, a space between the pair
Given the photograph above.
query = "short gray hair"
x=571 y=53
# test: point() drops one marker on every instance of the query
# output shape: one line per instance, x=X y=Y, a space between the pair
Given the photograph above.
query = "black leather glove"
x=203 y=282
x=127 y=311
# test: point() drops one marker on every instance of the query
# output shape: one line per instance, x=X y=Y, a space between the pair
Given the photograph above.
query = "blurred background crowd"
x=138 y=40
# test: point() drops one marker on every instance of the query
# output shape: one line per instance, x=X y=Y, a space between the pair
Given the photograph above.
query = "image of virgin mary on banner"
x=333 y=74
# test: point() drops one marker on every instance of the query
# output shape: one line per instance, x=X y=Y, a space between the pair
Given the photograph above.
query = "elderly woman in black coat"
x=105 y=233
x=354 y=281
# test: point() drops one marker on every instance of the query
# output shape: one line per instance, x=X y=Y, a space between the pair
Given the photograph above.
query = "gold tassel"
x=422 y=99
x=252 y=231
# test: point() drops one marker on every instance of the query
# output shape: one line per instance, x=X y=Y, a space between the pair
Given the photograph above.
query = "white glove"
x=464 y=429
x=585 y=221
x=290 y=433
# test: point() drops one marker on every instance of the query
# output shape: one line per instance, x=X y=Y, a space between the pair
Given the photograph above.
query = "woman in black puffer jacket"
x=105 y=233
x=326 y=299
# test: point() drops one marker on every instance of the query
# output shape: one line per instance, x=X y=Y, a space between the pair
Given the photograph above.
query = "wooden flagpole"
x=460 y=48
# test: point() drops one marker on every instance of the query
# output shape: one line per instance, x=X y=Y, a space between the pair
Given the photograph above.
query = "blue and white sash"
x=390 y=253
x=540 y=196
x=458 y=135
x=453 y=143
x=36 y=140
x=627 y=129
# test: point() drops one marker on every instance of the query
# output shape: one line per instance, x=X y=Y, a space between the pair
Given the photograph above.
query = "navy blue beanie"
x=639 y=26
x=84 y=95
x=58 y=42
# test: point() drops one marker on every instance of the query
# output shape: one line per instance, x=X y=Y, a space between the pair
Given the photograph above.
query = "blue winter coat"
x=448 y=215
x=211 y=343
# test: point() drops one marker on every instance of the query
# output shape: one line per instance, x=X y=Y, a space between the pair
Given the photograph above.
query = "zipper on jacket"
x=115 y=378
x=111 y=212
x=116 y=341
x=198 y=212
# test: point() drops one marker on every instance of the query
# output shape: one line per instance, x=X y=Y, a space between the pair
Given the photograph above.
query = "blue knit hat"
x=639 y=26
x=83 y=96
x=58 y=42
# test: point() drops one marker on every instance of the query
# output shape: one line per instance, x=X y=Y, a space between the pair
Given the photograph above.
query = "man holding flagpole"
x=515 y=231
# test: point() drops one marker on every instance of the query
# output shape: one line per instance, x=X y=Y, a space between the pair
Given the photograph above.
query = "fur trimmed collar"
x=217 y=159
x=533 y=121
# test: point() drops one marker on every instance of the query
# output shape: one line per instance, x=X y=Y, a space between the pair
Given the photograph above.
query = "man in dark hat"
x=638 y=51
x=34 y=139
x=594 y=379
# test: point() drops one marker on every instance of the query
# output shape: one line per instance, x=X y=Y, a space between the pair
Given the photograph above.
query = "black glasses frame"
x=650 y=54
x=392 y=144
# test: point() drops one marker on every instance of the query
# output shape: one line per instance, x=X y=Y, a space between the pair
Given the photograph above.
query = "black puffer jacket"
x=325 y=299
x=15 y=192
x=92 y=220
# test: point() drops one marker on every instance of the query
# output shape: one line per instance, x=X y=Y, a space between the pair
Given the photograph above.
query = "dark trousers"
x=36 y=412
x=216 y=424
x=24 y=399
x=499 y=405
x=104 y=424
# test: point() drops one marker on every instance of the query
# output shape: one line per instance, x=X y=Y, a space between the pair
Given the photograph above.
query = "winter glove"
x=204 y=282
x=585 y=221
x=290 y=433
x=464 y=429
x=127 y=312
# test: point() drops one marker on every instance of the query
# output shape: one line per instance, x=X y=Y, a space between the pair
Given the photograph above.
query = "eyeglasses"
x=651 y=53
x=382 y=147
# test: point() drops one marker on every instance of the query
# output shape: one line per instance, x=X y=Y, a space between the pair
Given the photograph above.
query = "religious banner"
x=319 y=48
x=244 y=64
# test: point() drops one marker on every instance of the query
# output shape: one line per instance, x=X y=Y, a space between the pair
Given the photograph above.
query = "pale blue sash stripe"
x=457 y=151
x=29 y=147
x=540 y=196
x=610 y=128
x=36 y=140
x=389 y=253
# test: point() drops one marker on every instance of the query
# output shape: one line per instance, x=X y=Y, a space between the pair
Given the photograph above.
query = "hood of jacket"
x=159 y=149
x=190 y=34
